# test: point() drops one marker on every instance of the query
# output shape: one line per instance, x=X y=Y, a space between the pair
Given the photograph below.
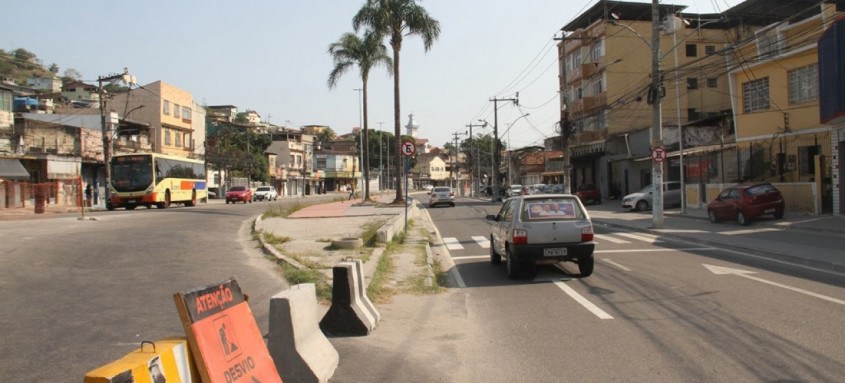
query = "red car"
x=239 y=194
x=746 y=202
x=588 y=194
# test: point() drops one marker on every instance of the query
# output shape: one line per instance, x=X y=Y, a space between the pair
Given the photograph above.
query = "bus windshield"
x=131 y=173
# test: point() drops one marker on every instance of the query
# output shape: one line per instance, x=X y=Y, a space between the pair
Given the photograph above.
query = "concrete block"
x=362 y=288
x=347 y=316
x=299 y=349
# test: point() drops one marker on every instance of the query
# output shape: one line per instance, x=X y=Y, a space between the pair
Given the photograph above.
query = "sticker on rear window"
x=550 y=210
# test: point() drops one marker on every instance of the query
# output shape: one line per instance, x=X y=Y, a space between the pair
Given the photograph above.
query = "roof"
x=624 y=9
x=11 y=169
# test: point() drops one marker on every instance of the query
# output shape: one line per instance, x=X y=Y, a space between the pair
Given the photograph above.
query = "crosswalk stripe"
x=452 y=243
x=640 y=237
x=609 y=238
x=482 y=241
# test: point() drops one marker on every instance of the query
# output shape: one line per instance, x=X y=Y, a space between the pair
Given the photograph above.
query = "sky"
x=271 y=56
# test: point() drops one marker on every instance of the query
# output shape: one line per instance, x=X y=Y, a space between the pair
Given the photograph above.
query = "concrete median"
x=348 y=315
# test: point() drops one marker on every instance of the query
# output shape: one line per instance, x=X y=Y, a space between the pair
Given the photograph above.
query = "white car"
x=441 y=196
x=542 y=230
x=513 y=191
x=265 y=193
x=642 y=199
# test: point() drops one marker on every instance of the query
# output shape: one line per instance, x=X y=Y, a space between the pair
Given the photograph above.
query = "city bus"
x=147 y=179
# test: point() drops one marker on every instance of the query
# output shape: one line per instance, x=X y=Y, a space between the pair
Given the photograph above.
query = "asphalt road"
x=76 y=295
x=654 y=310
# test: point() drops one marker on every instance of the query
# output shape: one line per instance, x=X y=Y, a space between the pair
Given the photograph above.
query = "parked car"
x=746 y=202
x=513 y=191
x=239 y=194
x=428 y=188
x=641 y=200
x=441 y=196
x=266 y=192
x=542 y=229
x=589 y=193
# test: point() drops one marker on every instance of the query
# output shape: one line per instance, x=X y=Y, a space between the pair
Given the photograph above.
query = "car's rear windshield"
x=238 y=188
x=559 y=208
x=440 y=190
x=263 y=188
x=760 y=189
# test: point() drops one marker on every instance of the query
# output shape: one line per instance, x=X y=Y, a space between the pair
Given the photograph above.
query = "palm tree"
x=366 y=53
x=394 y=19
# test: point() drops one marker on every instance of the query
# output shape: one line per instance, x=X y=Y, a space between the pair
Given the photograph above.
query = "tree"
x=54 y=68
x=481 y=154
x=72 y=74
x=395 y=19
x=24 y=55
x=367 y=53
x=326 y=135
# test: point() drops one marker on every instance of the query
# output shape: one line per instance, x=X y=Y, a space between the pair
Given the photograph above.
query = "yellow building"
x=170 y=112
x=775 y=87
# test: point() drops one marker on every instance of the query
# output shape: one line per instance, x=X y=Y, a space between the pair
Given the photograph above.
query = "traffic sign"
x=658 y=154
x=408 y=148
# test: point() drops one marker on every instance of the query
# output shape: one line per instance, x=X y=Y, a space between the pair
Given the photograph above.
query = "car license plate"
x=555 y=252
x=769 y=211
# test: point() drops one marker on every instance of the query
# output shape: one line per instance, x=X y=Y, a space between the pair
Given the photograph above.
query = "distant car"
x=746 y=202
x=542 y=229
x=537 y=189
x=513 y=191
x=589 y=194
x=428 y=188
x=239 y=194
x=642 y=199
x=212 y=194
x=441 y=196
x=266 y=192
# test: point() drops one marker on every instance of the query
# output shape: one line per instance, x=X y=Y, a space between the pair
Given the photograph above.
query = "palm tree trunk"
x=366 y=148
x=397 y=129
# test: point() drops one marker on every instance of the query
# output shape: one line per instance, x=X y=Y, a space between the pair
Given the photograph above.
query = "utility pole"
x=106 y=130
x=474 y=158
x=565 y=124
x=455 y=160
x=655 y=95
x=496 y=147
x=380 y=157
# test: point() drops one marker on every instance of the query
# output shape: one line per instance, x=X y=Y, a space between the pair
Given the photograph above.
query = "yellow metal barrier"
x=167 y=360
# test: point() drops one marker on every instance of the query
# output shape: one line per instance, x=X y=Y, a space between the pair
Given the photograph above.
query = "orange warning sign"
x=225 y=340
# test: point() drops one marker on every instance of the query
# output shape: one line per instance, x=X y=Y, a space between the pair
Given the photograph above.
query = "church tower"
x=413 y=127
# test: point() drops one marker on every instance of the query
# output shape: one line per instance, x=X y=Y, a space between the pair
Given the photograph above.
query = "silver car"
x=642 y=199
x=541 y=229
x=441 y=196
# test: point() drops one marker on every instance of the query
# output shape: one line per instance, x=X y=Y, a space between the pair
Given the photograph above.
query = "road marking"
x=452 y=243
x=641 y=237
x=749 y=231
x=482 y=241
x=655 y=250
x=583 y=301
x=616 y=264
x=720 y=270
x=472 y=257
x=609 y=238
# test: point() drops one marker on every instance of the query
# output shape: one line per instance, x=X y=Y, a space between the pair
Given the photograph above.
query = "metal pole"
x=406 y=194
x=657 y=131
x=680 y=125
x=496 y=150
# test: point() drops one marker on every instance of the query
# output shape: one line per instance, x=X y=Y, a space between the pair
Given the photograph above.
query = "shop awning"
x=11 y=169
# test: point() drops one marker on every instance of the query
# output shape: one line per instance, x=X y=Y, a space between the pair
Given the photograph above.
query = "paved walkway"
x=348 y=208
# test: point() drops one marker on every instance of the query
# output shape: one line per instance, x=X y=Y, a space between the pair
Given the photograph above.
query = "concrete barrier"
x=348 y=315
x=300 y=351
x=396 y=224
x=362 y=290
x=167 y=360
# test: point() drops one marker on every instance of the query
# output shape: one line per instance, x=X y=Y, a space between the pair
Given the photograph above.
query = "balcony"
x=594 y=103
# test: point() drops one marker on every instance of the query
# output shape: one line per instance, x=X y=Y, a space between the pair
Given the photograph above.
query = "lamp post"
x=474 y=158
x=496 y=149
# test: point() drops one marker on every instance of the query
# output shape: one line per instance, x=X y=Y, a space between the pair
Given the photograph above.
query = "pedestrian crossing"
x=453 y=243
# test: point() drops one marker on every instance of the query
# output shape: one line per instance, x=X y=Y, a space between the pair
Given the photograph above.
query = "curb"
x=270 y=249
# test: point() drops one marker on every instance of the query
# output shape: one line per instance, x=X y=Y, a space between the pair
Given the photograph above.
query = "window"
x=576 y=58
x=598 y=88
x=692 y=114
x=692 y=83
x=167 y=136
x=178 y=136
x=292 y=159
x=709 y=49
x=769 y=43
x=755 y=95
x=803 y=84
x=568 y=63
x=176 y=111
x=692 y=50
x=712 y=83
x=597 y=51
x=165 y=108
x=186 y=113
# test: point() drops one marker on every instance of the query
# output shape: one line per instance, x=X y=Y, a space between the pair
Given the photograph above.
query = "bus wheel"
x=166 y=203
x=149 y=206
x=193 y=201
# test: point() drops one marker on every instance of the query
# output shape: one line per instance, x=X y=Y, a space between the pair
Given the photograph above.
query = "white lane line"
x=616 y=264
x=461 y=257
x=749 y=231
x=652 y=250
x=640 y=237
x=452 y=243
x=583 y=301
x=481 y=241
x=609 y=238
